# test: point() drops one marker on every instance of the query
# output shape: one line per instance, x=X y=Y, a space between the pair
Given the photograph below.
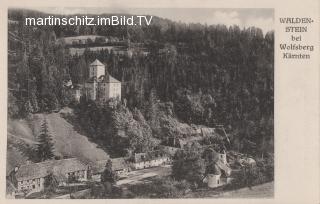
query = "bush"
x=189 y=165
x=105 y=190
x=249 y=176
x=161 y=188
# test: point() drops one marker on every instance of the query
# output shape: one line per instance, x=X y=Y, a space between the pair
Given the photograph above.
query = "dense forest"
x=209 y=75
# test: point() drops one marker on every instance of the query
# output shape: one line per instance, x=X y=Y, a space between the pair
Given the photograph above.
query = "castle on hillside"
x=100 y=86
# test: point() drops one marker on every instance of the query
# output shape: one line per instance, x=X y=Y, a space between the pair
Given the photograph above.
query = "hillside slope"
x=67 y=141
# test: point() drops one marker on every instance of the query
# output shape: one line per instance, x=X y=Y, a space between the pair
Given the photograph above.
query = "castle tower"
x=96 y=69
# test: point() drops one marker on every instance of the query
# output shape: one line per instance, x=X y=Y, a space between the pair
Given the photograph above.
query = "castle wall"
x=214 y=181
x=103 y=91
x=114 y=90
x=91 y=90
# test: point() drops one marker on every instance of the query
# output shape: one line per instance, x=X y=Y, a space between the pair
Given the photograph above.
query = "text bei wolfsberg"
x=296 y=47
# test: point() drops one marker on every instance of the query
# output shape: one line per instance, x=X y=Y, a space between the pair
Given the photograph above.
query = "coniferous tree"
x=109 y=175
x=50 y=183
x=188 y=164
x=45 y=145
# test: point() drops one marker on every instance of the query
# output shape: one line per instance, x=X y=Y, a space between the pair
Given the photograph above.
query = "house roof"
x=213 y=169
x=96 y=63
x=218 y=167
x=42 y=169
x=92 y=79
x=117 y=164
x=103 y=79
x=108 y=79
x=98 y=166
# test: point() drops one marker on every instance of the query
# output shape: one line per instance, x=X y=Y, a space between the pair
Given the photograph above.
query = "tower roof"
x=96 y=63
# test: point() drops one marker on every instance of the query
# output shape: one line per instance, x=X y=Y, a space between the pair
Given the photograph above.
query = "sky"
x=262 y=18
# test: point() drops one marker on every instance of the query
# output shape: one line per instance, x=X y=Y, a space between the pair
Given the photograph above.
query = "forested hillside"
x=211 y=74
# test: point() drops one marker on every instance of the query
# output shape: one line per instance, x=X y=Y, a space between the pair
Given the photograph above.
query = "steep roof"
x=98 y=166
x=91 y=80
x=96 y=63
x=108 y=79
x=103 y=79
x=213 y=168
x=42 y=169
x=117 y=164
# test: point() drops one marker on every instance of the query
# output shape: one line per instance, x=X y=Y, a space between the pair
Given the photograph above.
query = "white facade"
x=80 y=175
x=96 y=69
x=107 y=90
x=214 y=180
x=151 y=163
x=34 y=185
x=114 y=90
x=101 y=86
x=37 y=184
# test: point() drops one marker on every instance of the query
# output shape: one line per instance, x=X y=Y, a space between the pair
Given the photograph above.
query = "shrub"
x=254 y=175
x=161 y=188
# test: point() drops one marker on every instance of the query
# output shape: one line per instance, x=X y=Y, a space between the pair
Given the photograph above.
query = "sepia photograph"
x=147 y=103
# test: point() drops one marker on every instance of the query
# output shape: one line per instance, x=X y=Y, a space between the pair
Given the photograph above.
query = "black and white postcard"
x=133 y=101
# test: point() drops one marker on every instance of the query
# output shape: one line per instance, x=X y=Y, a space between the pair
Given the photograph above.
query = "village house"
x=217 y=131
x=219 y=173
x=150 y=159
x=101 y=86
x=31 y=177
x=172 y=144
x=119 y=165
x=180 y=142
